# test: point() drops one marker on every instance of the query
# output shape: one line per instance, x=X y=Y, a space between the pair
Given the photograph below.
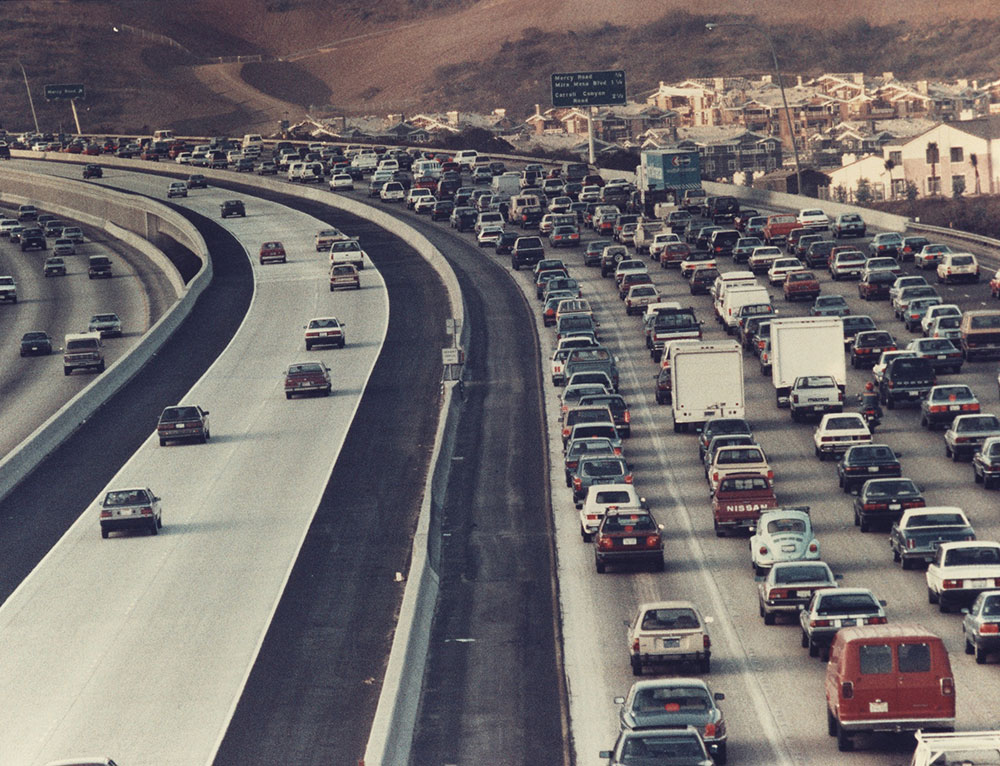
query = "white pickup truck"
x=8 y=289
x=815 y=395
x=960 y=571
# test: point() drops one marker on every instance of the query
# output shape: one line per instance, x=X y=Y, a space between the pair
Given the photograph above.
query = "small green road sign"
x=64 y=91
x=588 y=88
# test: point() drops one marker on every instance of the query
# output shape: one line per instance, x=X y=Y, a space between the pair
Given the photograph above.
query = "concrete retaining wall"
x=121 y=215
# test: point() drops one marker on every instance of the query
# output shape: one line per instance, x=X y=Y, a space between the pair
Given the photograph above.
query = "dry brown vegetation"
x=979 y=215
x=358 y=56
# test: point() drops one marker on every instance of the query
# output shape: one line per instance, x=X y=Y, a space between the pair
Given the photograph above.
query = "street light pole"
x=781 y=85
x=30 y=101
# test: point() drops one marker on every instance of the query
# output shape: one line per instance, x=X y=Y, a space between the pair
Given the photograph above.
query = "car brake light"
x=989 y=627
x=147 y=511
x=871 y=507
x=710 y=730
x=652 y=541
x=604 y=542
x=770 y=475
x=762 y=550
x=813 y=548
x=847 y=690
x=948 y=687
x=635 y=644
x=820 y=623
x=952 y=584
x=706 y=642
x=715 y=476
x=913 y=543
x=876 y=621
x=577 y=483
x=628 y=416
x=105 y=514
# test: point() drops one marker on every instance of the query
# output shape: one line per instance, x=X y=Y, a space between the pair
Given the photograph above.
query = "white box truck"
x=806 y=346
x=707 y=381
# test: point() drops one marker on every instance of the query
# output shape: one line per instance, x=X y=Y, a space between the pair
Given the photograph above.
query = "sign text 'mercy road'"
x=588 y=88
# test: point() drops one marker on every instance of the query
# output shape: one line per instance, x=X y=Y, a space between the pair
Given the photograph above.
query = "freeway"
x=774 y=699
x=32 y=388
x=351 y=482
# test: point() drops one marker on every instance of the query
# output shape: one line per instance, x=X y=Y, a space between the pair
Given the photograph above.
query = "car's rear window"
x=613 y=496
x=914 y=658
x=743 y=484
x=603 y=468
x=987 y=322
x=847 y=603
x=739 y=456
x=780 y=526
x=936 y=520
x=667 y=619
x=874 y=659
x=804 y=573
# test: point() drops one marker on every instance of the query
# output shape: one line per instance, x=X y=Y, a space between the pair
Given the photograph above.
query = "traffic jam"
x=704 y=361
x=765 y=332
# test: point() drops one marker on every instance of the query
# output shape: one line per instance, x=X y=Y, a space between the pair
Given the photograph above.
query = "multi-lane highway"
x=32 y=388
x=774 y=699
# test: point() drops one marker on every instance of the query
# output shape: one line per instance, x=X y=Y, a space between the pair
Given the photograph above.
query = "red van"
x=887 y=678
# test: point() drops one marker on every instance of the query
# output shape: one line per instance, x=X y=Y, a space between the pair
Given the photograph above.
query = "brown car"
x=800 y=284
x=980 y=334
x=344 y=275
x=673 y=254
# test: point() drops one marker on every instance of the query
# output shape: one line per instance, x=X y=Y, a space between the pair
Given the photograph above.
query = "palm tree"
x=933 y=157
x=975 y=169
x=889 y=165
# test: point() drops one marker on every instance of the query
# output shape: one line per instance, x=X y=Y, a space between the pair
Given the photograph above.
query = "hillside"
x=357 y=57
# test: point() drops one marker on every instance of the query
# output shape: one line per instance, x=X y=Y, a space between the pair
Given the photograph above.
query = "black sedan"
x=442 y=210
x=36 y=344
x=884 y=500
x=868 y=346
x=505 y=244
x=866 y=461
x=853 y=324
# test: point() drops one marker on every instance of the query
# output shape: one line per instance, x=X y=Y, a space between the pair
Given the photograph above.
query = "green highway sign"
x=588 y=88
x=65 y=91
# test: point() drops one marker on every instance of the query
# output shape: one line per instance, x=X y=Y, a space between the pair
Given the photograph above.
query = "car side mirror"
x=156 y=499
x=579 y=506
x=965 y=611
x=660 y=527
x=719 y=696
x=881 y=602
x=205 y=412
x=619 y=700
x=838 y=577
x=709 y=620
x=626 y=623
x=604 y=754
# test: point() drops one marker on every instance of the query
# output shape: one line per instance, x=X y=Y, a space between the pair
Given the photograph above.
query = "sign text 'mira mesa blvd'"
x=588 y=88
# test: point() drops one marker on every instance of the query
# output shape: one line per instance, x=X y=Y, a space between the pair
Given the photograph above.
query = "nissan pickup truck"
x=739 y=500
x=778 y=227
x=8 y=290
x=961 y=571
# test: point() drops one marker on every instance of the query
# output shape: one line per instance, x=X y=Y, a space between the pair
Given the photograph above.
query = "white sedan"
x=424 y=204
x=762 y=257
x=839 y=430
x=392 y=191
x=341 y=181
x=489 y=235
x=780 y=268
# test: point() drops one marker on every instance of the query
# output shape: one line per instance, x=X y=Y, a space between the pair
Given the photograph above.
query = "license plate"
x=848 y=623
x=942 y=356
x=873 y=469
x=630 y=541
x=671 y=643
x=876 y=351
x=895 y=507
x=979 y=584
x=324 y=334
x=954 y=407
x=180 y=425
x=878 y=707
x=787 y=548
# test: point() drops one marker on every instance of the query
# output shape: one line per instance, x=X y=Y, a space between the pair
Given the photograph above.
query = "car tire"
x=600 y=566
x=154 y=528
x=968 y=646
x=932 y=597
x=585 y=535
x=831 y=723
x=163 y=442
x=104 y=533
x=705 y=665
x=864 y=524
x=904 y=563
x=636 y=665
x=844 y=742
x=804 y=640
x=980 y=655
x=309 y=346
x=813 y=648
x=769 y=618
x=659 y=565
x=288 y=395
x=66 y=370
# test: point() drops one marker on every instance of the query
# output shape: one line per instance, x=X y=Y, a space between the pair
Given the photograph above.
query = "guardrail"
x=128 y=217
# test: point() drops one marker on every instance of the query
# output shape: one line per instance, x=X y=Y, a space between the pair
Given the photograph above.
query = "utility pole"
x=30 y=100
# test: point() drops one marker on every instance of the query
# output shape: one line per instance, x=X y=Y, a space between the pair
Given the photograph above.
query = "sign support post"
x=67 y=92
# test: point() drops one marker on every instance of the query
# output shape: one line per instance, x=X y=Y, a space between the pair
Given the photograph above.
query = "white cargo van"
x=252 y=139
x=430 y=168
x=707 y=381
x=466 y=158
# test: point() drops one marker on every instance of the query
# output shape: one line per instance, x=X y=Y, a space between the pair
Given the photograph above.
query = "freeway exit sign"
x=588 y=88
x=64 y=91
